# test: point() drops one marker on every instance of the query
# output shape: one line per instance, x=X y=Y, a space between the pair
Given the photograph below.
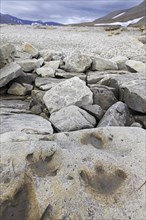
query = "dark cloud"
x=64 y=11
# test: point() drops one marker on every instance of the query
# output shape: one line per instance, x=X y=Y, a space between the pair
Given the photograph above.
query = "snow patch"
x=119 y=15
x=123 y=24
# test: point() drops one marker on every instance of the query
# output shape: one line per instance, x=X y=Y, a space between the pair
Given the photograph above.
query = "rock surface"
x=98 y=173
x=72 y=118
x=70 y=92
x=116 y=115
x=103 y=64
x=7 y=52
x=9 y=72
x=77 y=62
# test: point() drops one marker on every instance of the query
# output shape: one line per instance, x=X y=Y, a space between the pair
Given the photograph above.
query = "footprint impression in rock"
x=103 y=183
x=43 y=166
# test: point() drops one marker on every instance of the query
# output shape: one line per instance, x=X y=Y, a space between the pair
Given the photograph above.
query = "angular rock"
x=141 y=119
x=77 y=62
x=9 y=72
x=11 y=106
x=53 y=64
x=28 y=87
x=46 y=72
x=121 y=62
x=72 y=118
x=135 y=66
x=29 y=65
x=17 y=89
x=30 y=49
x=101 y=64
x=28 y=78
x=47 y=83
x=94 y=110
x=133 y=93
x=36 y=109
x=116 y=115
x=7 y=52
x=68 y=75
x=103 y=96
x=70 y=92
x=46 y=54
x=81 y=175
x=27 y=123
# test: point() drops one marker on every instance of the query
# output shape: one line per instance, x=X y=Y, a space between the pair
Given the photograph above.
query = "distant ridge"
x=9 y=19
x=122 y=17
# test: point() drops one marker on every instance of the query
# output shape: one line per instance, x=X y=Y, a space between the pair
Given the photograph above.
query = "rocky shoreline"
x=72 y=134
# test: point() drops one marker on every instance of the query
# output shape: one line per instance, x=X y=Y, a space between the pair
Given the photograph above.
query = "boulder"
x=53 y=64
x=101 y=64
x=70 y=92
x=116 y=115
x=121 y=62
x=134 y=95
x=103 y=96
x=11 y=105
x=94 y=110
x=72 y=118
x=28 y=78
x=9 y=72
x=29 y=65
x=46 y=72
x=90 y=174
x=77 y=62
x=7 y=52
x=141 y=119
x=46 y=54
x=27 y=123
x=30 y=49
x=17 y=89
x=135 y=66
x=44 y=83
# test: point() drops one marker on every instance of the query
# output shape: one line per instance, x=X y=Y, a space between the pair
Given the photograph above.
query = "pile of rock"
x=49 y=176
x=77 y=91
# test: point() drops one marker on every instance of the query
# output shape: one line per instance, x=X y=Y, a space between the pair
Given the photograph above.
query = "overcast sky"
x=63 y=11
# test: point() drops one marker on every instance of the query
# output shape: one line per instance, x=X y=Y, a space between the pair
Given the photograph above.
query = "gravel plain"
x=89 y=40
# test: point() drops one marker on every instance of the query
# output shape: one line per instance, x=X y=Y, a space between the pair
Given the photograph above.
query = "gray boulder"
x=101 y=64
x=17 y=89
x=9 y=72
x=133 y=93
x=94 y=110
x=103 y=96
x=135 y=66
x=7 y=52
x=29 y=65
x=30 y=49
x=116 y=115
x=72 y=118
x=77 y=62
x=44 y=83
x=46 y=72
x=27 y=123
x=68 y=75
x=121 y=62
x=53 y=64
x=70 y=92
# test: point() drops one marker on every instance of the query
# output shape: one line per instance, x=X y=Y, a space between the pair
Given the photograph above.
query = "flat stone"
x=101 y=64
x=136 y=66
x=27 y=123
x=9 y=72
x=79 y=174
x=46 y=72
x=72 y=118
x=94 y=110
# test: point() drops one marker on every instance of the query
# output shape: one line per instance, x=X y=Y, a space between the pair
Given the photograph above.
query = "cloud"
x=64 y=11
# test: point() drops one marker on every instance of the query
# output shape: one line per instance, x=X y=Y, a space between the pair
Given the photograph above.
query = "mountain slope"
x=122 y=17
x=8 y=19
